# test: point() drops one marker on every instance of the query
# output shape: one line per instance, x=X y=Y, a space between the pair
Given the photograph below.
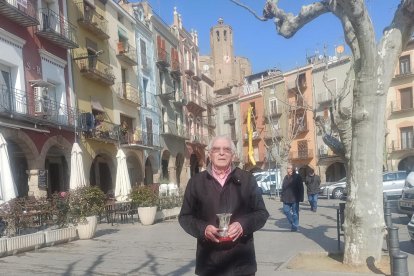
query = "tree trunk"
x=364 y=221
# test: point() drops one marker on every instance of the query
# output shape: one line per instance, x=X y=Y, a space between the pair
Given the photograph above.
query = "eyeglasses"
x=218 y=150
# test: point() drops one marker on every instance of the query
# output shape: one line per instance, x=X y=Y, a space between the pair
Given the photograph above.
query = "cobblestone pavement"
x=165 y=249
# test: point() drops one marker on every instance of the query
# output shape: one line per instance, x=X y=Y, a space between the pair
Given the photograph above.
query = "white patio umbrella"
x=8 y=189
x=122 y=183
x=77 y=175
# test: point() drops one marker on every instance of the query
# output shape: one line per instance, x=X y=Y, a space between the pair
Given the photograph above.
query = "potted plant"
x=85 y=204
x=145 y=197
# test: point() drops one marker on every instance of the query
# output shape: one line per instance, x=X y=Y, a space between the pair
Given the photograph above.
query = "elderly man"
x=223 y=188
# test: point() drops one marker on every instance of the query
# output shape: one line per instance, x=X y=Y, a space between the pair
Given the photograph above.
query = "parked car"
x=392 y=183
x=268 y=181
x=334 y=190
x=406 y=203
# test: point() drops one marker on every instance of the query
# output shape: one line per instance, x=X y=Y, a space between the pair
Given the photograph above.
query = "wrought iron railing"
x=50 y=21
x=92 y=19
x=126 y=91
x=16 y=103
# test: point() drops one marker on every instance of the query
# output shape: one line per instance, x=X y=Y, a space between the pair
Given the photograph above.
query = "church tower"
x=221 y=43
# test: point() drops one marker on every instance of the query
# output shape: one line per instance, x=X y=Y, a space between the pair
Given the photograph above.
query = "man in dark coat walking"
x=313 y=183
x=223 y=188
x=292 y=194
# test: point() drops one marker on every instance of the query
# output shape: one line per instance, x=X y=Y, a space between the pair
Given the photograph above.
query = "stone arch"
x=55 y=158
x=165 y=163
x=335 y=171
x=25 y=143
x=135 y=169
x=406 y=164
x=56 y=141
x=148 y=178
x=102 y=171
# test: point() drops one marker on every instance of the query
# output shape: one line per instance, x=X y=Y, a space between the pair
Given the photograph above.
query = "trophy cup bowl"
x=224 y=221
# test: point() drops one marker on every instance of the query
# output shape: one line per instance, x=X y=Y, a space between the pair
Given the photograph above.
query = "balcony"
x=176 y=70
x=16 y=104
x=190 y=69
x=99 y=130
x=126 y=53
x=229 y=118
x=195 y=103
x=275 y=134
x=270 y=114
x=397 y=147
x=179 y=99
x=171 y=129
x=197 y=77
x=128 y=93
x=301 y=155
x=200 y=140
x=24 y=16
x=396 y=108
x=92 y=21
x=404 y=75
x=167 y=93
x=163 y=58
x=57 y=29
x=255 y=136
x=300 y=128
x=94 y=69
x=139 y=139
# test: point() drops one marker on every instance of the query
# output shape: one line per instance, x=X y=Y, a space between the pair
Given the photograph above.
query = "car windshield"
x=342 y=180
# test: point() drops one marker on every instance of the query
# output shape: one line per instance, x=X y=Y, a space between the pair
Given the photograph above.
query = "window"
x=407 y=135
x=143 y=53
x=231 y=112
x=225 y=35
x=144 y=91
x=273 y=106
x=218 y=35
x=233 y=131
x=405 y=67
x=406 y=98
x=253 y=105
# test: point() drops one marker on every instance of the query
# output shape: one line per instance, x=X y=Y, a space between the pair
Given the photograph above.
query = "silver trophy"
x=224 y=221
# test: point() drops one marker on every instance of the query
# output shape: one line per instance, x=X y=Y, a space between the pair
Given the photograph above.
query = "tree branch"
x=249 y=9
x=286 y=23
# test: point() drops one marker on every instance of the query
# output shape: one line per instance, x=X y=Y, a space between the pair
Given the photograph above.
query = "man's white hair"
x=232 y=145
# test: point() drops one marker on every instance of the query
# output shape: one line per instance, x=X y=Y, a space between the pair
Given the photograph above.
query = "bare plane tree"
x=360 y=115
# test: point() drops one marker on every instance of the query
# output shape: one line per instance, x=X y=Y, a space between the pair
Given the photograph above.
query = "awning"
x=41 y=83
x=95 y=104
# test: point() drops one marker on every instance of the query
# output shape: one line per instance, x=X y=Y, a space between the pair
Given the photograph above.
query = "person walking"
x=313 y=183
x=223 y=188
x=291 y=196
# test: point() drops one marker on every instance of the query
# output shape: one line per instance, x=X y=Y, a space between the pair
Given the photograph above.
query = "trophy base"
x=225 y=239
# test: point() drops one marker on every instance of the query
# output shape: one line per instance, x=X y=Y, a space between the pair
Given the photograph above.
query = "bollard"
x=387 y=214
x=399 y=264
x=393 y=240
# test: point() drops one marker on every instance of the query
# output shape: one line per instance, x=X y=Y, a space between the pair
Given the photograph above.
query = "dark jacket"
x=312 y=184
x=203 y=199
x=292 y=189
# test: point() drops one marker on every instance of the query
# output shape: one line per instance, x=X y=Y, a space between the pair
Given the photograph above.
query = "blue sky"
x=257 y=40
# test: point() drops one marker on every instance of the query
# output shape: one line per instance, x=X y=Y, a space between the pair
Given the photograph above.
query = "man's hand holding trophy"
x=225 y=232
